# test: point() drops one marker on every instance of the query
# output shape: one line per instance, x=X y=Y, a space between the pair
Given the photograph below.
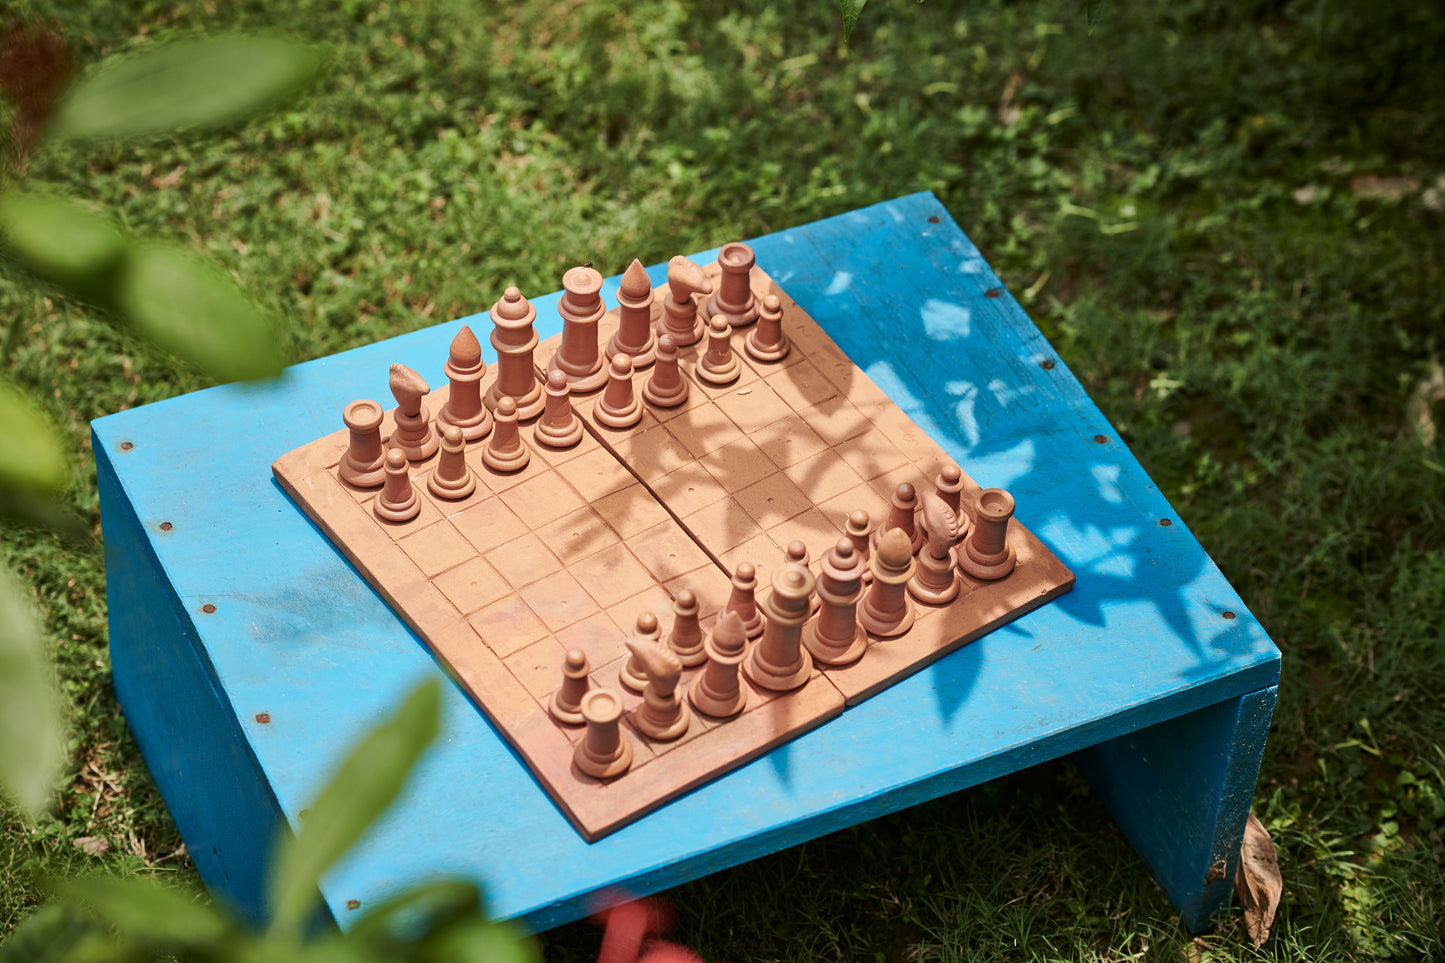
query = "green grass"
x=1187 y=198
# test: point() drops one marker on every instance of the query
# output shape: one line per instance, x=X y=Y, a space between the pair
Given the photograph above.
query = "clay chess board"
x=566 y=553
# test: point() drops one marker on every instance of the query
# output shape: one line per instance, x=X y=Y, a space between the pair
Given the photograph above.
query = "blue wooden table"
x=248 y=655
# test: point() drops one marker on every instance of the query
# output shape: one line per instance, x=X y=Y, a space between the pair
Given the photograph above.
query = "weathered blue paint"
x=1123 y=662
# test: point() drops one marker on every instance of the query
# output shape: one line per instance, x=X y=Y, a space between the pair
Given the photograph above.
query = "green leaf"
x=30 y=732
x=150 y=911
x=851 y=10
x=367 y=782
x=35 y=460
x=196 y=310
x=187 y=84
x=59 y=239
x=421 y=908
x=479 y=940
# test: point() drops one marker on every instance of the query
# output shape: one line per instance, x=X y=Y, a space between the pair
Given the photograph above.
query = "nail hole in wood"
x=993 y=292
x=1228 y=614
x=1047 y=364
x=126 y=446
x=1101 y=439
x=353 y=904
x=208 y=608
x=1165 y=522
x=166 y=526
x=933 y=219
x=263 y=717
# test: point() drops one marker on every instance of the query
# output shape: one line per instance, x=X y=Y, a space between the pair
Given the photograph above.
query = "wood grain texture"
x=296 y=634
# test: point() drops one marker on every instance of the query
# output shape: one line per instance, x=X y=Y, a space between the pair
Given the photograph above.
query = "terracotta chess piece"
x=451 y=477
x=679 y=311
x=836 y=637
x=685 y=639
x=666 y=387
x=633 y=673
x=515 y=339
x=364 y=464
x=719 y=365
x=887 y=610
x=734 y=298
x=859 y=530
x=464 y=370
x=566 y=703
x=716 y=691
x=662 y=715
x=935 y=579
x=767 y=342
x=559 y=427
x=605 y=751
x=398 y=501
x=506 y=451
x=635 y=336
x=986 y=553
x=797 y=551
x=949 y=486
x=743 y=599
x=779 y=662
x=903 y=515
x=413 y=433
x=619 y=407
x=581 y=308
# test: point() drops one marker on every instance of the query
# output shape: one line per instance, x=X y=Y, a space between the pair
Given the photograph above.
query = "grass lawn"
x=1228 y=218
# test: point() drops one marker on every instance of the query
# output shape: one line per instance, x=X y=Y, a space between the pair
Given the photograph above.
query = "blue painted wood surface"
x=297 y=636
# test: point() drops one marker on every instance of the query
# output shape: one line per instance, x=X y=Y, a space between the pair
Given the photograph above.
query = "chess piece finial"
x=633 y=673
x=662 y=715
x=734 y=298
x=949 y=487
x=451 y=477
x=797 y=551
x=604 y=751
x=635 y=336
x=464 y=370
x=679 y=310
x=364 y=464
x=934 y=580
x=413 y=434
x=903 y=515
x=767 y=342
x=666 y=388
x=581 y=308
x=887 y=610
x=398 y=501
x=566 y=703
x=506 y=451
x=859 y=530
x=779 y=662
x=986 y=552
x=686 y=636
x=719 y=365
x=619 y=407
x=836 y=637
x=515 y=339
x=716 y=690
x=743 y=599
x=559 y=427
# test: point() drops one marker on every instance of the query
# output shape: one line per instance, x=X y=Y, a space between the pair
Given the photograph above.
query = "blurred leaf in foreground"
x=366 y=783
x=851 y=10
x=34 y=460
x=30 y=742
x=196 y=310
x=150 y=911
x=59 y=240
x=185 y=85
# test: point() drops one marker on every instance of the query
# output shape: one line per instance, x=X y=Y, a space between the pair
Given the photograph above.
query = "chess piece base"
x=990 y=568
x=631 y=677
x=935 y=581
x=604 y=768
x=529 y=406
x=508 y=462
x=766 y=354
x=449 y=490
x=403 y=512
x=558 y=439
x=710 y=705
x=662 y=733
x=885 y=628
x=620 y=418
x=568 y=717
x=362 y=476
x=775 y=680
x=720 y=376
x=473 y=429
x=832 y=653
x=669 y=400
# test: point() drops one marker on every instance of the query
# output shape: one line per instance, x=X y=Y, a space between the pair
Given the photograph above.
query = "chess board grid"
x=568 y=551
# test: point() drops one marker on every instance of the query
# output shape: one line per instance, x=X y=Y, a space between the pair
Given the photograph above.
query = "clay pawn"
x=464 y=370
x=778 y=661
x=836 y=637
x=903 y=515
x=398 y=501
x=619 y=407
x=633 y=673
x=581 y=308
x=716 y=691
x=515 y=339
x=666 y=387
x=662 y=715
x=679 y=309
x=604 y=751
x=743 y=599
x=859 y=530
x=797 y=551
x=987 y=553
x=559 y=427
x=413 y=434
x=734 y=298
x=506 y=451
x=935 y=580
x=685 y=639
x=949 y=486
x=364 y=464
x=767 y=342
x=719 y=365
x=451 y=477
x=887 y=611
x=566 y=703
x=635 y=336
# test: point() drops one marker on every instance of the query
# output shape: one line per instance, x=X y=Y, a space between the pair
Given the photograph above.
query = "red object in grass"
x=628 y=926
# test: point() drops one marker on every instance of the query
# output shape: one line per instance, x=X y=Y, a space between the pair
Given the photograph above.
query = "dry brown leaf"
x=1258 y=881
x=1374 y=188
